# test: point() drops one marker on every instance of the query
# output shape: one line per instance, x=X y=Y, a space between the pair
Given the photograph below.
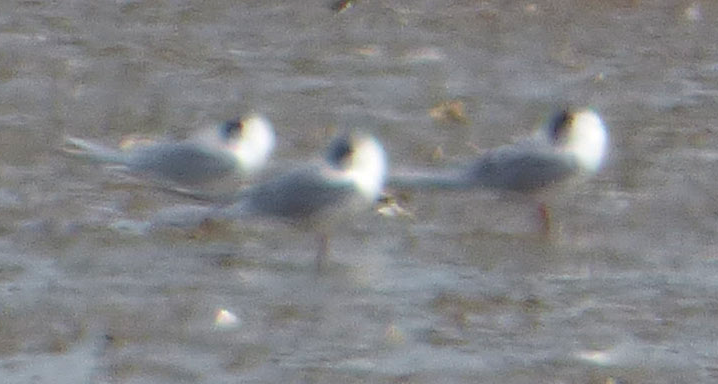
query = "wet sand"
x=624 y=290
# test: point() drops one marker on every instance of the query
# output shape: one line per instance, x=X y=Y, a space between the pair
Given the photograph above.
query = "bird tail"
x=428 y=179
x=183 y=217
x=194 y=216
x=93 y=151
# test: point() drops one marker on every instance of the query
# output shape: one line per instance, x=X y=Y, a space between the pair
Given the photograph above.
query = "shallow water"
x=469 y=290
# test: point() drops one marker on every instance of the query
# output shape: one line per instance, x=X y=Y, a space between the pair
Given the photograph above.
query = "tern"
x=236 y=149
x=315 y=197
x=572 y=144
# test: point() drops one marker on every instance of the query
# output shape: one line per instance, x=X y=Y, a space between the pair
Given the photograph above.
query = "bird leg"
x=322 y=250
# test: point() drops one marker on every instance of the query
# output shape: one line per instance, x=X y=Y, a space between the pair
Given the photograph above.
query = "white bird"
x=316 y=197
x=236 y=149
x=570 y=147
x=572 y=144
x=351 y=178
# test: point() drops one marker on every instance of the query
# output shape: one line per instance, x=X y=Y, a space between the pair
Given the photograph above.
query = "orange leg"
x=545 y=216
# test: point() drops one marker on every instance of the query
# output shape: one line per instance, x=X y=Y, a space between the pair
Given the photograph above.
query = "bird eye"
x=558 y=124
x=339 y=150
x=231 y=128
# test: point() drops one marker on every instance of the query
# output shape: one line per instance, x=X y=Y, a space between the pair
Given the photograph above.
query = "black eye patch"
x=558 y=123
x=339 y=150
x=231 y=128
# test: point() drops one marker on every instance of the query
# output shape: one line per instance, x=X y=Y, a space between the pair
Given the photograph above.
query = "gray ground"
x=625 y=289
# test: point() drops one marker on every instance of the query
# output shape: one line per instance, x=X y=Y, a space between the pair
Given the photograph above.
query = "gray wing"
x=297 y=195
x=184 y=163
x=93 y=151
x=520 y=170
x=446 y=178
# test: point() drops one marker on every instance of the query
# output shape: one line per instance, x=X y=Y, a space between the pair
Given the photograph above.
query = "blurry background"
x=469 y=290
